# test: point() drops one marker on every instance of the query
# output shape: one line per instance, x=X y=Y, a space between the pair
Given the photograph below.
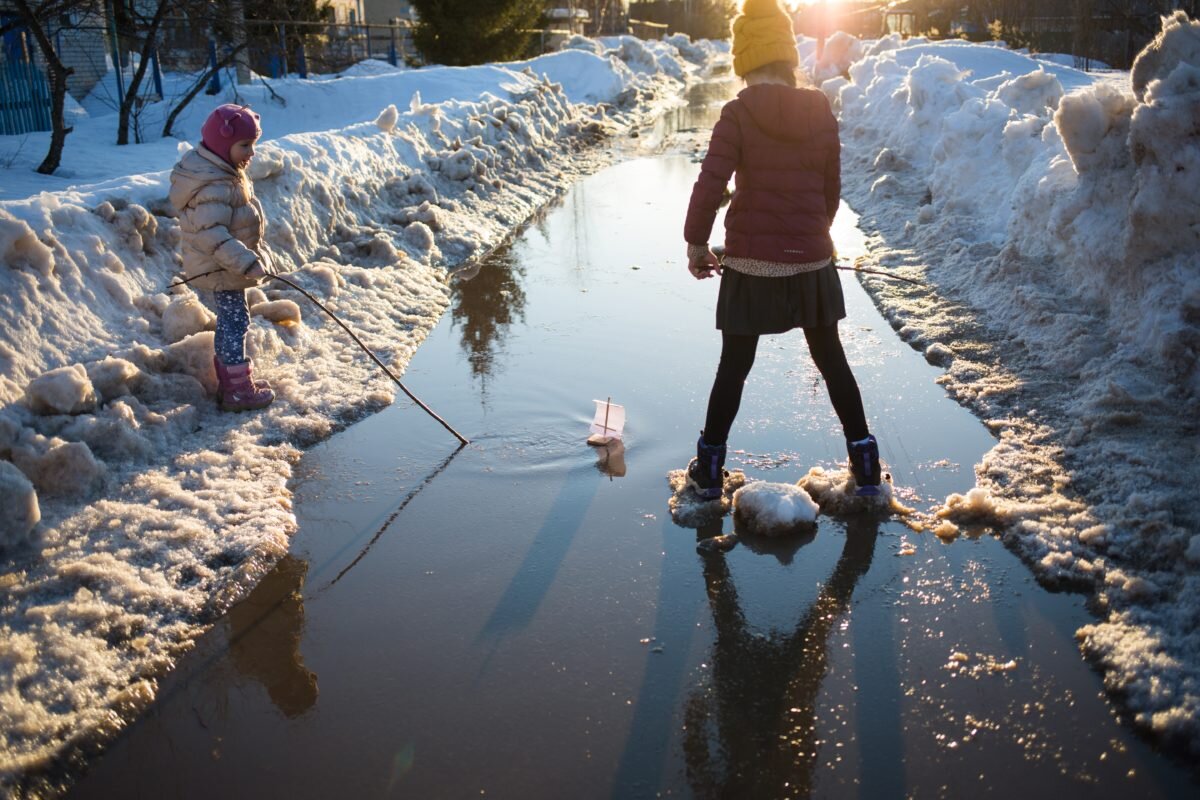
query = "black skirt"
x=749 y=305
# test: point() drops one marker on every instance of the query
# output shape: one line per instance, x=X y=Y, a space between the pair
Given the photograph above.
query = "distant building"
x=901 y=18
x=80 y=41
x=345 y=12
x=386 y=11
x=564 y=22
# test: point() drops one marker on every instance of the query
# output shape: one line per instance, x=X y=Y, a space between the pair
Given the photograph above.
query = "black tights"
x=737 y=356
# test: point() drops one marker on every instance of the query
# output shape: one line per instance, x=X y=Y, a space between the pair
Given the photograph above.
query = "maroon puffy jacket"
x=781 y=144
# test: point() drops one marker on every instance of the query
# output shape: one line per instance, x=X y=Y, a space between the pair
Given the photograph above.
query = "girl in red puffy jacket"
x=779 y=143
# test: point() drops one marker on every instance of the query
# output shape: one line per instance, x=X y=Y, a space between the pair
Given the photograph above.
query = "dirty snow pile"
x=134 y=512
x=1053 y=215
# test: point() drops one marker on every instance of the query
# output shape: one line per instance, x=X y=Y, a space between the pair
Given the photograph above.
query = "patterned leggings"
x=233 y=320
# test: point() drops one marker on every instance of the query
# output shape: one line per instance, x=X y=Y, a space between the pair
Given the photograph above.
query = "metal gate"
x=24 y=90
x=24 y=98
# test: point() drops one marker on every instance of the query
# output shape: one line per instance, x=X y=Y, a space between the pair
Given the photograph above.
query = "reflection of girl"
x=264 y=633
x=781 y=145
x=761 y=710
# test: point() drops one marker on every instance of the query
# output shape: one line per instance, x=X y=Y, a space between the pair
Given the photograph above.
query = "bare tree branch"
x=131 y=94
x=197 y=86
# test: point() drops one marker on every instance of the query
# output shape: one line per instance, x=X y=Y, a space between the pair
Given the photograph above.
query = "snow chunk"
x=66 y=469
x=946 y=530
x=834 y=493
x=325 y=277
x=939 y=354
x=977 y=506
x=1034 y=93
x=386 y=121
x=66 y=390
x=185 y=316
x=841 y=50
x=20 y=246
x=281 y=312
x=1178 y=41
x=583 y=43
x=689 y=510
x=111 y=377
x=1162 y=138
x=1093 y=125
x=19 y=501
x=419 y=236
x=774 y=509
x=194 y=356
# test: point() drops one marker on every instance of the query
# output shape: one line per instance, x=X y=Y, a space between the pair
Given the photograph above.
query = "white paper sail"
x=609 y=421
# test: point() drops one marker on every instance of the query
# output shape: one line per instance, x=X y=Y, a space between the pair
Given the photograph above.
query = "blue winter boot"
x=864 y=466
x=706 y=472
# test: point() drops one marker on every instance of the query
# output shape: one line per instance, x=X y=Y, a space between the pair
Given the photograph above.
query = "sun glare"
x=796 y=5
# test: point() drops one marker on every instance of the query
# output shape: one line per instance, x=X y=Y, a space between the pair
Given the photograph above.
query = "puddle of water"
x=522 y=618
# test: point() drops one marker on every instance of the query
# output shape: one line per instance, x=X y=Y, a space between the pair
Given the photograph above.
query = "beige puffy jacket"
x=222 y=222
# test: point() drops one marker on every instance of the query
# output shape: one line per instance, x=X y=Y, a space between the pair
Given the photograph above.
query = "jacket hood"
x=198 y=168
x=785 y=113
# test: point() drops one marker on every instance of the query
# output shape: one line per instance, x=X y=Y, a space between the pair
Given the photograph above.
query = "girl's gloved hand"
x=256 y=271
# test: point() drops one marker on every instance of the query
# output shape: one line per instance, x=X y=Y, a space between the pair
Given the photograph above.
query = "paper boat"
x=608 y=423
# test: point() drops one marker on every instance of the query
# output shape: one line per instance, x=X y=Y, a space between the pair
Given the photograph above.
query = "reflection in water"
x=753 y=732
x=610 y=459
x=264 y=635
x=487 y=300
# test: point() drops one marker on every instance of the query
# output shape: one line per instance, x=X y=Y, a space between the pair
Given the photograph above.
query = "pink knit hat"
x=228 y=124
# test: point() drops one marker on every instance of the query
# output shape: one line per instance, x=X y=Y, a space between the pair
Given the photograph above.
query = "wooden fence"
x=24 y=98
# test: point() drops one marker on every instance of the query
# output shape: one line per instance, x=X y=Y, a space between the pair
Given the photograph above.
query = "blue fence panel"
x=24 y=98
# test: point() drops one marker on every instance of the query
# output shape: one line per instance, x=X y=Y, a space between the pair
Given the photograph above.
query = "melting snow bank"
x=1053 y=215
x=133 y=512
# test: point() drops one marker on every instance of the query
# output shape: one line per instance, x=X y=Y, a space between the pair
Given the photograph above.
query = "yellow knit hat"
x=762 y=33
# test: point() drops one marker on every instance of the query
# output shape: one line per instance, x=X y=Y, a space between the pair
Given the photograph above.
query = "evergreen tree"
x=464 y=32
x=290 y=10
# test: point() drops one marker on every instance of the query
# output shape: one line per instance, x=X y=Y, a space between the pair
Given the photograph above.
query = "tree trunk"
x=58 y=137
x=238 y=14
x=131 y=94
x=59 y=72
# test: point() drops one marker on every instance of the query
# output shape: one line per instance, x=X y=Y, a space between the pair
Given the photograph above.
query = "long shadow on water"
x=752 y=731
x=545 y=555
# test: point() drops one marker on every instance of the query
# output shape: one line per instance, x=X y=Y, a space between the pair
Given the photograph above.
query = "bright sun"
x=793 y=5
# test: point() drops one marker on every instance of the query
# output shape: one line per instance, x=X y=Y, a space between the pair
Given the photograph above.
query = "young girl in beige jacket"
x=223 y=227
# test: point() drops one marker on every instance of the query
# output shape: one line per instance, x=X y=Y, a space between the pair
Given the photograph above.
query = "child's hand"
x=705 y=267
x=256 y=271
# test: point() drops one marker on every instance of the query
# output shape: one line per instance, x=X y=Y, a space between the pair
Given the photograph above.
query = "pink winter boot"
x=237 y=391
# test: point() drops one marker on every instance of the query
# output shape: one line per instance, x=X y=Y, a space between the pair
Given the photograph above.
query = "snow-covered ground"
x=1052 y=216
x=134 y=512
x=1050 y=213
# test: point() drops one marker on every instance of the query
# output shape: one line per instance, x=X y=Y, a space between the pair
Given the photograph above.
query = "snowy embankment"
x=134 y=512
x=1053 y=216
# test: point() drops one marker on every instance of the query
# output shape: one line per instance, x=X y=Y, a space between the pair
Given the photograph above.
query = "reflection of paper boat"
x=611 y=461
x=608 y=424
